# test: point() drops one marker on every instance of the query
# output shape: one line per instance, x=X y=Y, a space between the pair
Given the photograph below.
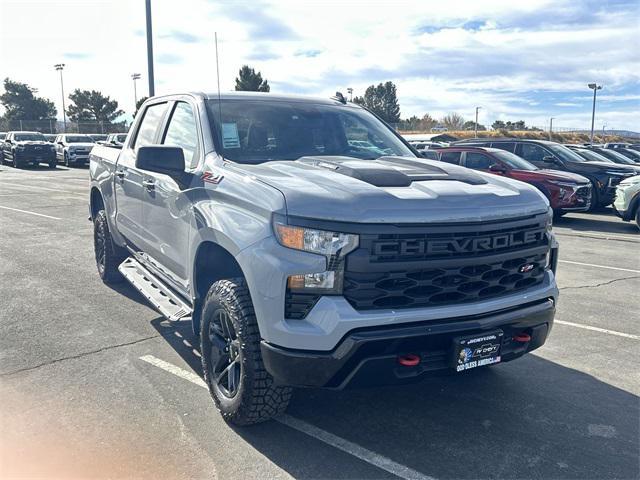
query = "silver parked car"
x=73 y=148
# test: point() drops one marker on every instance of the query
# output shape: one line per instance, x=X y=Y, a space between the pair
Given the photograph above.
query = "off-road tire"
x=258 y=397
x=107 y=260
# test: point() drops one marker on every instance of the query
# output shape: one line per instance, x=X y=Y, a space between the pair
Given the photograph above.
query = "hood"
x=562 y=176
x=31 y=142
x=394 y=190
x=600 y=166
x=82 y=145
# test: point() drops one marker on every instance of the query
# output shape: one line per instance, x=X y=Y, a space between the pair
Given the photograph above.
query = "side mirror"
x=549 y=159
x=8 y=141
x=161 y=159
x=60 y=143
x=497 y=168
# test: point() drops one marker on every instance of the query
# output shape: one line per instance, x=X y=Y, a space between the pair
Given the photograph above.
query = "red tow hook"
x=409 y=360
x=522 y=337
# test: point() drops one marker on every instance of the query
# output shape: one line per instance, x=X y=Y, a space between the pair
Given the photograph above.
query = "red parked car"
x=566 y=191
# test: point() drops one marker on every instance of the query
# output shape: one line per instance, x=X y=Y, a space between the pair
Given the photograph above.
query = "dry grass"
x=561 y=137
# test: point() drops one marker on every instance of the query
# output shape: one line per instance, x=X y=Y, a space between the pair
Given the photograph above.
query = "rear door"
x=167 y=212
x=128 y=178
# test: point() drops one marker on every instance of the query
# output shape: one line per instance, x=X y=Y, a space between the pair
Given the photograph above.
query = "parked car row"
x=21 y=148
x=574 y=178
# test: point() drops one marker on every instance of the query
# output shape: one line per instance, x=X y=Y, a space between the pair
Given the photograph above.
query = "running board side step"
x=159 y=295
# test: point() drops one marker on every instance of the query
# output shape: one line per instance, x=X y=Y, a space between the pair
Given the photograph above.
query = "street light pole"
x=350 y=92
x=59 y=67
x=476 y=125
x=550 y=127
x=595 y=87
x=152 y=89
x=134 y=77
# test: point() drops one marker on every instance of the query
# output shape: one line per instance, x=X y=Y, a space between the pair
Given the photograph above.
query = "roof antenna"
x=218 y=75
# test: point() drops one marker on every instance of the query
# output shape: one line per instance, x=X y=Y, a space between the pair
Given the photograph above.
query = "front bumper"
x=35 y=157
x=369 y=356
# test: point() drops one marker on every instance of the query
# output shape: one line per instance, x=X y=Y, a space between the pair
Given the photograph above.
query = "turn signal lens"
x=292 y=237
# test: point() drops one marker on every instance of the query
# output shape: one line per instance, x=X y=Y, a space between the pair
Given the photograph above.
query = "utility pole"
x=476 y=125
x=59 y=67
x=152 y=89
x=134 y=77
x=350 y=92
x=604 y=140
x=595 y=87
x=550 y=127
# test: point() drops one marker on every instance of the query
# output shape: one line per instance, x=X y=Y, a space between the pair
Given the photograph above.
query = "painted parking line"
x=598 y=329
x=600 y=236
x=328 y=438
x=30 y=213
x=47 y=189
x=599 y=266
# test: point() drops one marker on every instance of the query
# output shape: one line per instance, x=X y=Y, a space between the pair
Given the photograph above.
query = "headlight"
x=617 y=174
x=627 y=182
x=564 y=184
x=333 y=245
x=316 y=241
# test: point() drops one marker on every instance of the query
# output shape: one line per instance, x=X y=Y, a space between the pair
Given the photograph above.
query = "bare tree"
x=453 y=121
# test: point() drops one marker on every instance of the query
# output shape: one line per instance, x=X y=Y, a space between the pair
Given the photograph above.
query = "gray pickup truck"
x=310 y=246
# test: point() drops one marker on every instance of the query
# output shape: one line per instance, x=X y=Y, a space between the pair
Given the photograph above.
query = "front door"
x=128 y=179
x=167 y=212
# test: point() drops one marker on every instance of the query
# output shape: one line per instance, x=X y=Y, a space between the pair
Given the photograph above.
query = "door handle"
x=120 y=174
x=149 y=184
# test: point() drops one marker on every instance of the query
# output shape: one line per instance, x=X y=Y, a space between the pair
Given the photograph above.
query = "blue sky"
x=529 y=60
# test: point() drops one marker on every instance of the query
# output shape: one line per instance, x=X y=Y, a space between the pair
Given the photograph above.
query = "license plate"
x=477 y=350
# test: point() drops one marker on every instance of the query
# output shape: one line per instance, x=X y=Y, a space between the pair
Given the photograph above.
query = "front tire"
x=638 y=216
x=108 y=255
x=66 y=160
x=242 y=389
x=595 y=198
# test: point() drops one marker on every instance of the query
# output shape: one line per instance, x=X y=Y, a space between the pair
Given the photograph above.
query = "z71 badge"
x=210 y=177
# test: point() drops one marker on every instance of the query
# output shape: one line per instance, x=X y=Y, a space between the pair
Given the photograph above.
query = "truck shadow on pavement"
x=528 y=418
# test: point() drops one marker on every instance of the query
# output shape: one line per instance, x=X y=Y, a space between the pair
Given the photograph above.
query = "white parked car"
x=73 y=148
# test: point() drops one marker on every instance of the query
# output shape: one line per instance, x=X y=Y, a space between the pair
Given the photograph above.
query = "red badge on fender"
x=211 y=177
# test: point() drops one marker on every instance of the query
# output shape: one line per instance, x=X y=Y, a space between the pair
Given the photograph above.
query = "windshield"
x=260 y=131
x=98 y=137
x=615 y=156
x=30 y=137
x=79 y=139
x=514 y=161
x=564 y=153
x=592 y=156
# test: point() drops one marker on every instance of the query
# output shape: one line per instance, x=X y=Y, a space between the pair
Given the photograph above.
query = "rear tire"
x=108 y=255
x=53 y=165
x=557 y=214
x=638 y=216
x=242 y=389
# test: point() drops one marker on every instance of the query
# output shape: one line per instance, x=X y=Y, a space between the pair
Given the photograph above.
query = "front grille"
x=443 y=265
x=442 y=286
x=583 y=195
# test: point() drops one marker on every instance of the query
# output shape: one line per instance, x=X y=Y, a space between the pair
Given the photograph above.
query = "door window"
x=508 y=146
x=182 y=132
x=450 y=157
x=149 y=125
x=478 y=161
x=532 y=152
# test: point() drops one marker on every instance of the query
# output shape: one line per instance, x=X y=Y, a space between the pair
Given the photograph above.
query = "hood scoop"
x=392 y=171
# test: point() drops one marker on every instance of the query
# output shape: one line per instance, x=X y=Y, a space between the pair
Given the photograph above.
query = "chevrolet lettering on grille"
x=420 y=247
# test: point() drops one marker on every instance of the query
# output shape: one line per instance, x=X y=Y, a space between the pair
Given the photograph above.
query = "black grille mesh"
x=441 y=286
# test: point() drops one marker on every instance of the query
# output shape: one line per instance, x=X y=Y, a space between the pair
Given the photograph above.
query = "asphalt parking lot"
x=94 y=383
